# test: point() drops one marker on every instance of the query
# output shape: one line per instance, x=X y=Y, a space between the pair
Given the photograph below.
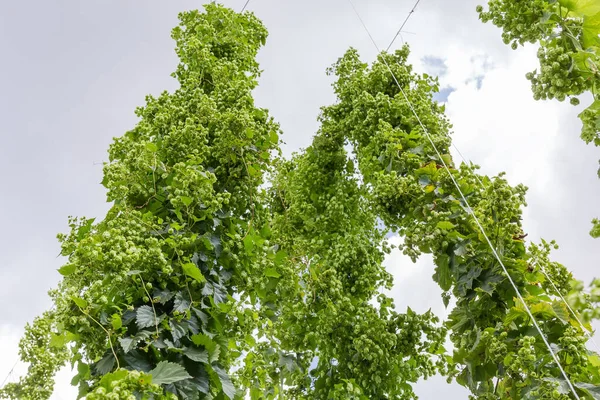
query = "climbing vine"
x=335 y=312
x=223 y=271
x=568 y=32
x=157 y=299
x=497 y=352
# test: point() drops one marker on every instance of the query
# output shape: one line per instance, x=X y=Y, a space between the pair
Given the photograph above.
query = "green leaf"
x=443 y=275
x=105 y=365
x=181 y=303
x=116 y=321
x=109 y=378
x=138 y=360
x=514 y=314
x=249 y=133
x=272 y=273
x=168 y=372
x=249 y=243
x=193 y=272
x=591 y=30
x=561 y=311
x=81 y=303
x=445 y=225
x=201 y=339
x=67 y=270
x=152 y=147
x=259 y=114
x=144 y=317
x=57 y=341
x=253 y=171
x=581 y=7
x=589 y=389
x=461 y=248
x=424 y=180
x=210 y=345
x=186 y=200
x=489 y=280
x=274 y=137
x=178 y=329
x=280 y=256
x=544 y=309
x=129 y=343
x=226 y=383
x=195 y=354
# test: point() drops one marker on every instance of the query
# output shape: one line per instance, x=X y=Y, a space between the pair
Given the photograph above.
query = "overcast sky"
x=72 y=73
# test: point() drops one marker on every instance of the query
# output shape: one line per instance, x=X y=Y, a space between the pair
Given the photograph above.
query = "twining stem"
x=107 y=333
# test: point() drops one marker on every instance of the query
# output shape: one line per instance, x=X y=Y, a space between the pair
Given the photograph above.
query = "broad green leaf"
x=561 y=311
x=129 y=343
x=108 y=379
x=443 y=275
x=57 y=341
x=252 y=171
x=581 y=7
x=181 y=303
x=280 y=256
x=151 y=147
x=591 y=30
x=249 y=243
x=186 y=200
x=274 y=137
x=514 y=314
x=195 y=354
x=178 y=329
x=591 y=390
x=249 y=133
x=138 y=360
x=259 y=114
x=105 y=365
x=193 y=272
x=144 y=317
x=445 y=225
x=67 y=269
x=226 y=384
x=489 y=280
x=544 y=309
x=272 y=273
x=168 y=372
x=594 y=360
x=81 y=303
x=424 y=180
x=461 y=248
x=205 y=341
x=116 y=321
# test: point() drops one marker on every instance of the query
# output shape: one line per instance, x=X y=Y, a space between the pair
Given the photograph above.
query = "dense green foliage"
x=164 y=284
x=569 y=53
x=497 y=352
x=568 y=32
x=223 y=271
x=324 y=221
